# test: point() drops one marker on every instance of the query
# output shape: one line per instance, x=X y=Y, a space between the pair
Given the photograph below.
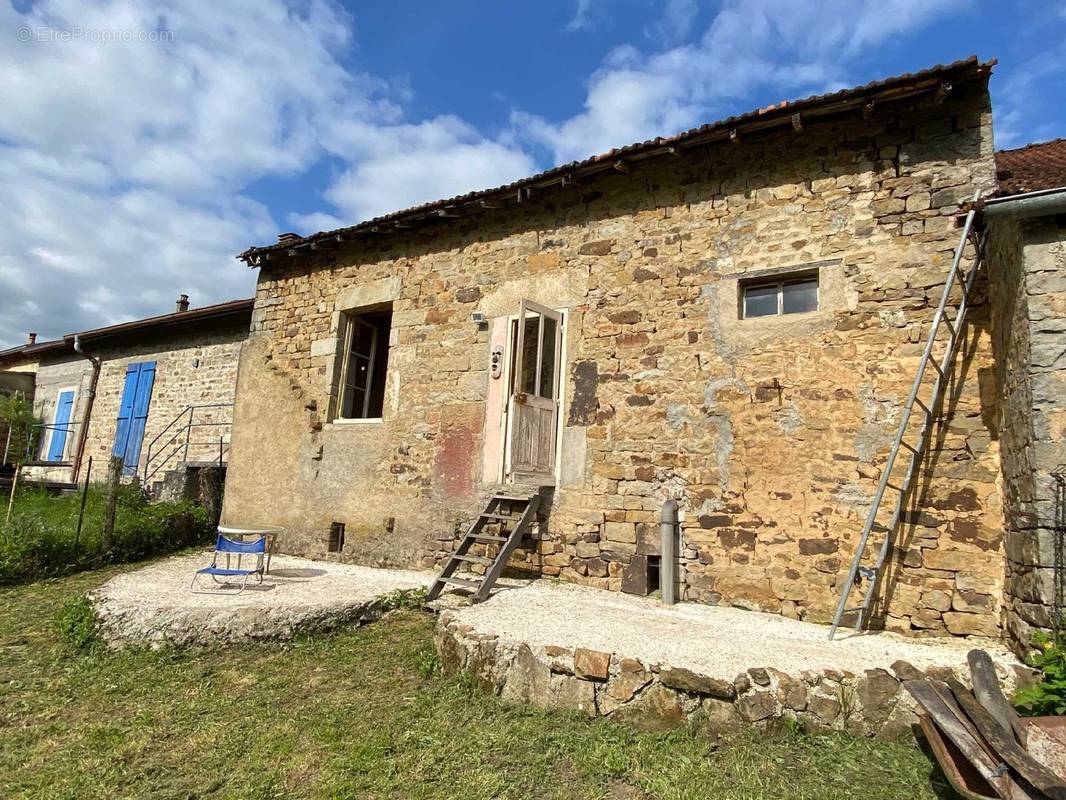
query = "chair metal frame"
x=229 y=547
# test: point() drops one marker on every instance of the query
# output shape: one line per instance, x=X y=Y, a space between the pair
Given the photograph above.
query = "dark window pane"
x=547 y=362
x=760 y=301
x=529 y=355
x=799 y=296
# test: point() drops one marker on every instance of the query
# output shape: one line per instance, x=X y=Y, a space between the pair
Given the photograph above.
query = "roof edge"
x=931 y=79
x=204 y=313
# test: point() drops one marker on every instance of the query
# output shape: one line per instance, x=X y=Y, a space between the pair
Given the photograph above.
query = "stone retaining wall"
x=663 y=696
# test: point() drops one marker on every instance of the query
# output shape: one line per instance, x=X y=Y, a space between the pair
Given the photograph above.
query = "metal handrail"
x=182 y=446
x=941 y=366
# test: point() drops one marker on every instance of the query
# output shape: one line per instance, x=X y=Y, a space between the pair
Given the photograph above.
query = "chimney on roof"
x=182 y=304
x=288 y=238
x=31 y=338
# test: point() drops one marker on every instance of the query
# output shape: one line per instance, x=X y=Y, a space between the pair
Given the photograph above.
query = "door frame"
x=507 y=375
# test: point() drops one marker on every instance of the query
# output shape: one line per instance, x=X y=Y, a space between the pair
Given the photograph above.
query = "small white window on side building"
x=787 y=294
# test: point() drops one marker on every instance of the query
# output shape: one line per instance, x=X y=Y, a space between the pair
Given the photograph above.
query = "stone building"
x=1027 y=265
x=731 y=317
x=140 y=389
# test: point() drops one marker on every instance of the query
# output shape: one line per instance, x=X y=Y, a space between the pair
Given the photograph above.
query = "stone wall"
x=193 y=367
x=771 y=432
x=663 y=696
x=1028 y=263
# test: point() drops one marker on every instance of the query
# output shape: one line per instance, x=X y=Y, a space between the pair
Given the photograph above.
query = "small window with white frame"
x=364 y=363
x=794 y=293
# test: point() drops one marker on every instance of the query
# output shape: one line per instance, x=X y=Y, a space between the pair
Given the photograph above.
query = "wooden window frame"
x=351 y=320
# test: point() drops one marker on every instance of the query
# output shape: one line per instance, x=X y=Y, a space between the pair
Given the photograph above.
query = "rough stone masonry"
x=771 y=431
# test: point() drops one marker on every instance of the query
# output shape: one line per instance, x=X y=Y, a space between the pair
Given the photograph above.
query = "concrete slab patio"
x=153 y=606
x=561 y=645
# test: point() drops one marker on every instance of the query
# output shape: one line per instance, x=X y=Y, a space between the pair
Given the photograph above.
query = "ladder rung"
x=488 y=537
x=912 y=448
x=518 y=498
x=949 y=323
x=901 y=489
x=936 y=365
x=473 y=559
x=879 y=528
x=500 y=517
x=460 y=582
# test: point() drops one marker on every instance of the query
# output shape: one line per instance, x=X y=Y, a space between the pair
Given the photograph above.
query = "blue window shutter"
x=125 y=410
x=60 y=426
x=141 y=401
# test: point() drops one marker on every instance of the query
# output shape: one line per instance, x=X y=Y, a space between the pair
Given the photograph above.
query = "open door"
x=533 y=404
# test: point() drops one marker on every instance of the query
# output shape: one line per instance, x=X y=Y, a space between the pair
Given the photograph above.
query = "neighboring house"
x=158 y=392
x=1027 y=265
x=732 y=316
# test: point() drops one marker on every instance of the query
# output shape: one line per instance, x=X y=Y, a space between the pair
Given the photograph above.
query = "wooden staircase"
x=489 y=542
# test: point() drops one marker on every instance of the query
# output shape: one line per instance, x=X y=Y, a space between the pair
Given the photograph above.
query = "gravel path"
x=154 y=606
x=715 y=641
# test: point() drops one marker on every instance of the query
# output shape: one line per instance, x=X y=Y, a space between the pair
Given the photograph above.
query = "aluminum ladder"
x=955 y=327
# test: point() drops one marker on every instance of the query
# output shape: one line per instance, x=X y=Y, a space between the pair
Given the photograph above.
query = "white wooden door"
x=533 y=404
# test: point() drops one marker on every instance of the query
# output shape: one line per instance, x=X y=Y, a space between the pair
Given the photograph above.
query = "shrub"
x=1049 y=696
x=39 y=541
x=76 y=624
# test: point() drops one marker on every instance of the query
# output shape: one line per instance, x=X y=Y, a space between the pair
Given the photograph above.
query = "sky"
x=144 y=144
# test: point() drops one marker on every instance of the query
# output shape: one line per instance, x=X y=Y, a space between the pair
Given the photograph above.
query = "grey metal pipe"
x=668 y=556
x=1032 y=204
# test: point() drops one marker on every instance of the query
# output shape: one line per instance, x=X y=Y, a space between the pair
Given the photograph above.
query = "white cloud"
x=397 y=166
x=676 y=22
x=582 y=16
x=125 y=163
x=793 y=48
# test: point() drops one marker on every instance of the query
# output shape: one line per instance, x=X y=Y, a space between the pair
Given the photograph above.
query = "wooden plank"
x=989 y=694
x=1005 y=746
x=961 y=774
x=959 y=735
x=1011 y=787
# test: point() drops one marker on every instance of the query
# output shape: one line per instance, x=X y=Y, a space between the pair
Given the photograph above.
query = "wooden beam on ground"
x=989 y=694
x=959 y=733
x=1003 y=743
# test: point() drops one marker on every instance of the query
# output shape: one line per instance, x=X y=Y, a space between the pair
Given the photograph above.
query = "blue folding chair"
x=225 y=576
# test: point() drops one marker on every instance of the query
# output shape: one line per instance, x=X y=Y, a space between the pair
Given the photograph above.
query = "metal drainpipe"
x=84 y=432
x=668 y=558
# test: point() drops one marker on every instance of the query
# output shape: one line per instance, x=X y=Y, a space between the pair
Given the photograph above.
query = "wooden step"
x=514 y=498
x=500 y=517
x=473 y=559
x=487 y=537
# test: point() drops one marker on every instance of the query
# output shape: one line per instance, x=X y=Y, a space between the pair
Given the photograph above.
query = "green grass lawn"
x=361 y=714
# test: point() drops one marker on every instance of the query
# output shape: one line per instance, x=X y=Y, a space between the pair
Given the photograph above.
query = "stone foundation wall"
x=772 y=432
x=664 y=696
x=1028 y=263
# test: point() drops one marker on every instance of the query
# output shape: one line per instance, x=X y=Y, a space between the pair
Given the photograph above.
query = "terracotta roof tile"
x=1032 y=168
